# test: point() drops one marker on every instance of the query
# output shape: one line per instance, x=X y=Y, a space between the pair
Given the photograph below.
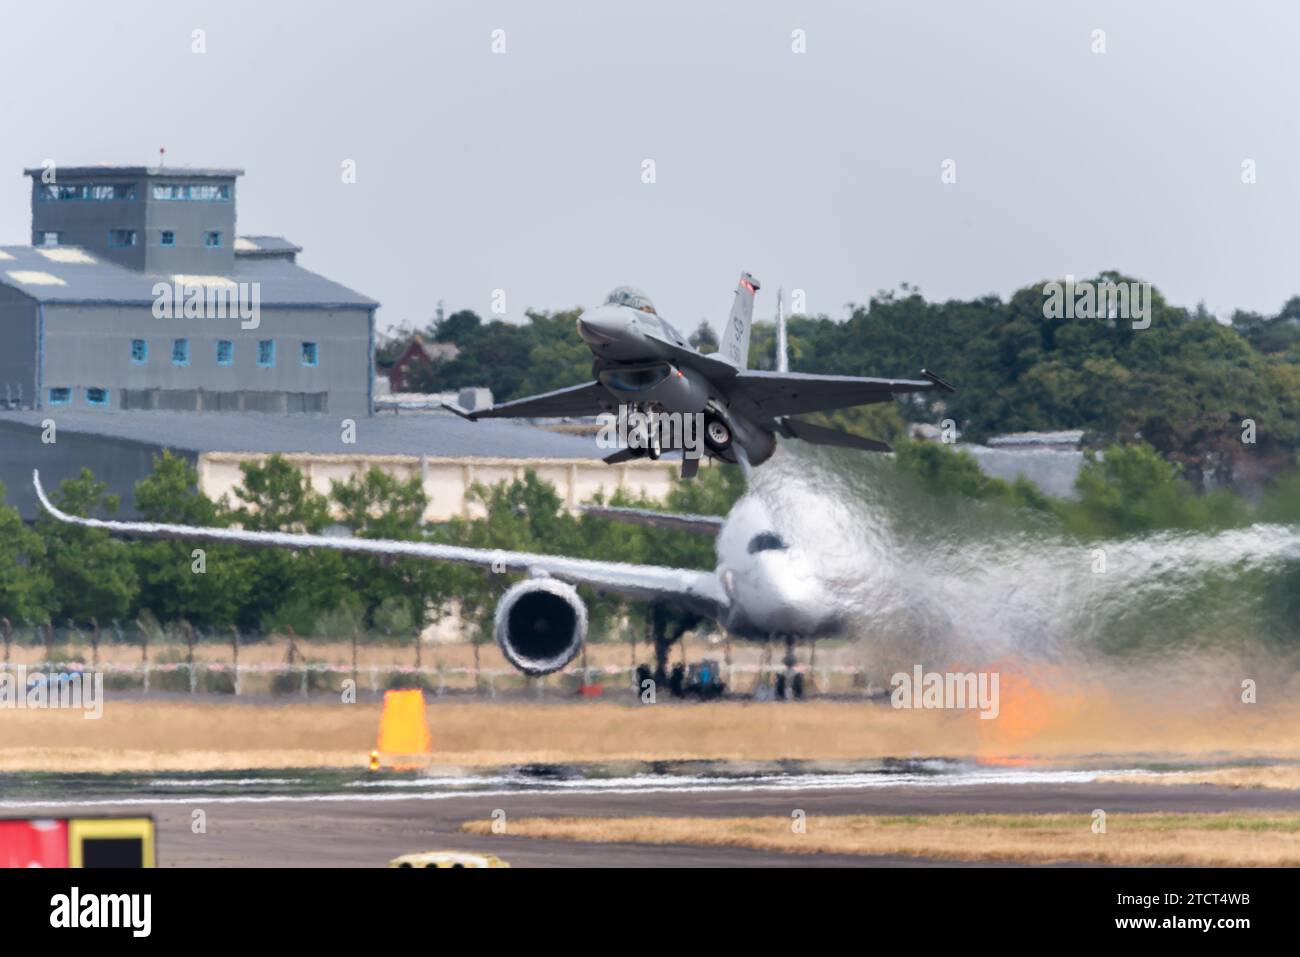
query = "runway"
x=285 y=821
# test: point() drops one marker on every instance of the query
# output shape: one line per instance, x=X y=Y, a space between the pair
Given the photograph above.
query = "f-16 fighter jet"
x=645 y=366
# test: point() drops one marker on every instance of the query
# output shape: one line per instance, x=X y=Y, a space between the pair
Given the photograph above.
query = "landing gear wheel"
x=796 y=686
x=717 y=436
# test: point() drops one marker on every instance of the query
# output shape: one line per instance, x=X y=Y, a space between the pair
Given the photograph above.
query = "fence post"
x=234 y=646
x=355 y=683
x=9 y=638
x=189 y=654
x=94 y=643
x=49 y=642
x=144 y=652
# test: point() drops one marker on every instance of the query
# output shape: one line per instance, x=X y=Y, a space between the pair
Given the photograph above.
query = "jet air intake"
x=541 y=624
x=658 y=383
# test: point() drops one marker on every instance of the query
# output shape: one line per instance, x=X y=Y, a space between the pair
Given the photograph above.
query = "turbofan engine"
x=541 y=624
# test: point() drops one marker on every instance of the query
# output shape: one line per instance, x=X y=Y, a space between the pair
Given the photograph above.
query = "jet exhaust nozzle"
x=540 y=625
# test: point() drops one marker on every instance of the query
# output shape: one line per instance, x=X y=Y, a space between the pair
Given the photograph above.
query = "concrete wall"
x=447 y=481
x=90 y=346
x=19 y=319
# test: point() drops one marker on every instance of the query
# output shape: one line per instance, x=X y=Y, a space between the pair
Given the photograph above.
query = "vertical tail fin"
x=782 y=346
x=734 y=347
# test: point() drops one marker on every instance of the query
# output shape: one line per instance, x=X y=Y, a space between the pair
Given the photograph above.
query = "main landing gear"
x=789 y=684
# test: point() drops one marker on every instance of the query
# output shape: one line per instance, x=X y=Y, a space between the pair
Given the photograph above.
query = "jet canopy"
x=630 y=296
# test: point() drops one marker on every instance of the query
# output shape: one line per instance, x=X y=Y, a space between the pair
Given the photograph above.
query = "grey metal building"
x=136 y=293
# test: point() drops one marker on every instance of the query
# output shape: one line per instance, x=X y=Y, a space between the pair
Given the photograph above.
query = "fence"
x=208 y=677
x=181 y=659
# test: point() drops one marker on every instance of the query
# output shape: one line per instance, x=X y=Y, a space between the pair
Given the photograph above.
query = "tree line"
x=1220 y=399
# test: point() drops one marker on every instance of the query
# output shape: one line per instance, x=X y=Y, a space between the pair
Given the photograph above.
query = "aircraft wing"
x=695 y=591
x=775 y=394
x=590 y=398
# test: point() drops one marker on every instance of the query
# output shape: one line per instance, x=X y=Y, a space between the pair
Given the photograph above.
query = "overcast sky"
x=820 y=170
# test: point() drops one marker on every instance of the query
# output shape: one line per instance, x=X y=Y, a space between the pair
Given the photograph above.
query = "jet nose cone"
x=601 y=326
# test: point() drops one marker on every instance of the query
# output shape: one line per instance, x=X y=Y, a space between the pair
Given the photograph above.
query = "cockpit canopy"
x=631 y=296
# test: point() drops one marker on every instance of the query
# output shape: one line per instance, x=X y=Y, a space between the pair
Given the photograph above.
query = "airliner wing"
x=695 y=591
x=775 y=394
x=590 y=398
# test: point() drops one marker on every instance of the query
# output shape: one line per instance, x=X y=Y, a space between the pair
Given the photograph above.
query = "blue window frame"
x=95 y=191
x=225 y=352
x=203 y=192
x=212 y=240
x=168 y=238
x=60 y=396
x=180 y=352
x=139 y=351
x=121 y=237
x=96 y=395
x=266 y=353
x=310 y=354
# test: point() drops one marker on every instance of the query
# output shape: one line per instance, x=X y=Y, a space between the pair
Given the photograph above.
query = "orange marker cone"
x=403 y=728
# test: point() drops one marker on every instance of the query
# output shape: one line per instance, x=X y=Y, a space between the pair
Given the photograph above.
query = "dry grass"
x=1213 y=840
x=1283 y=777
x=229 y=733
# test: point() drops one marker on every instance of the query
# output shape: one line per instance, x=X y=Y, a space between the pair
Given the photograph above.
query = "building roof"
x=106 y=169
x=69 y=274
x=437 y=435
x=265 y=246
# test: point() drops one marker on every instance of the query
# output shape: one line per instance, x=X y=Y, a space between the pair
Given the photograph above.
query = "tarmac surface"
x=331 y=829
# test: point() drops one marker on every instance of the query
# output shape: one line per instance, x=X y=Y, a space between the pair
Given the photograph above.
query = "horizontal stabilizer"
x=819 y=435
x=623 y=455
x=701 y=524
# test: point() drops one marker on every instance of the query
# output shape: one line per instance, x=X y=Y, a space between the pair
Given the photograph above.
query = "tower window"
x=121 y=237
x=180 y=352
x=266 y=353
x=60 y=396
x=168 y=238
x=225 y=352
x=139 y=351
x=212 y=240
x=310 y=354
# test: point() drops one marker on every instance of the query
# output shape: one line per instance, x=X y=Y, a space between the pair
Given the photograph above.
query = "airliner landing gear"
x=789 y=684
x=667 y=626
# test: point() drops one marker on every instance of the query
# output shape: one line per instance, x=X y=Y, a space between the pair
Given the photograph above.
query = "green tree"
x=26 y=592
x=207 y=587
x=287 y=587
x=91 y=574
x=379 y=505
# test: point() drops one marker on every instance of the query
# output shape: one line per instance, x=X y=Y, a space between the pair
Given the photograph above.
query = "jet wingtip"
x=457 y=410
x=938 y=383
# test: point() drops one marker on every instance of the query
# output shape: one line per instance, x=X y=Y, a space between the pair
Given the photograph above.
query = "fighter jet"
x=643 y=364
x=761 y=589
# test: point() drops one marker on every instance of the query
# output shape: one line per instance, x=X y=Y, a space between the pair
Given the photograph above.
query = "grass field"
x=1210 y=840
x=323 y=732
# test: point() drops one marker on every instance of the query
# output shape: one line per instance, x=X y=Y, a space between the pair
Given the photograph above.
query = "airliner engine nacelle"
x=541 y=624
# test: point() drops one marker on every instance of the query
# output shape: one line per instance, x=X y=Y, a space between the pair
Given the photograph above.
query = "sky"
x=509 y=168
